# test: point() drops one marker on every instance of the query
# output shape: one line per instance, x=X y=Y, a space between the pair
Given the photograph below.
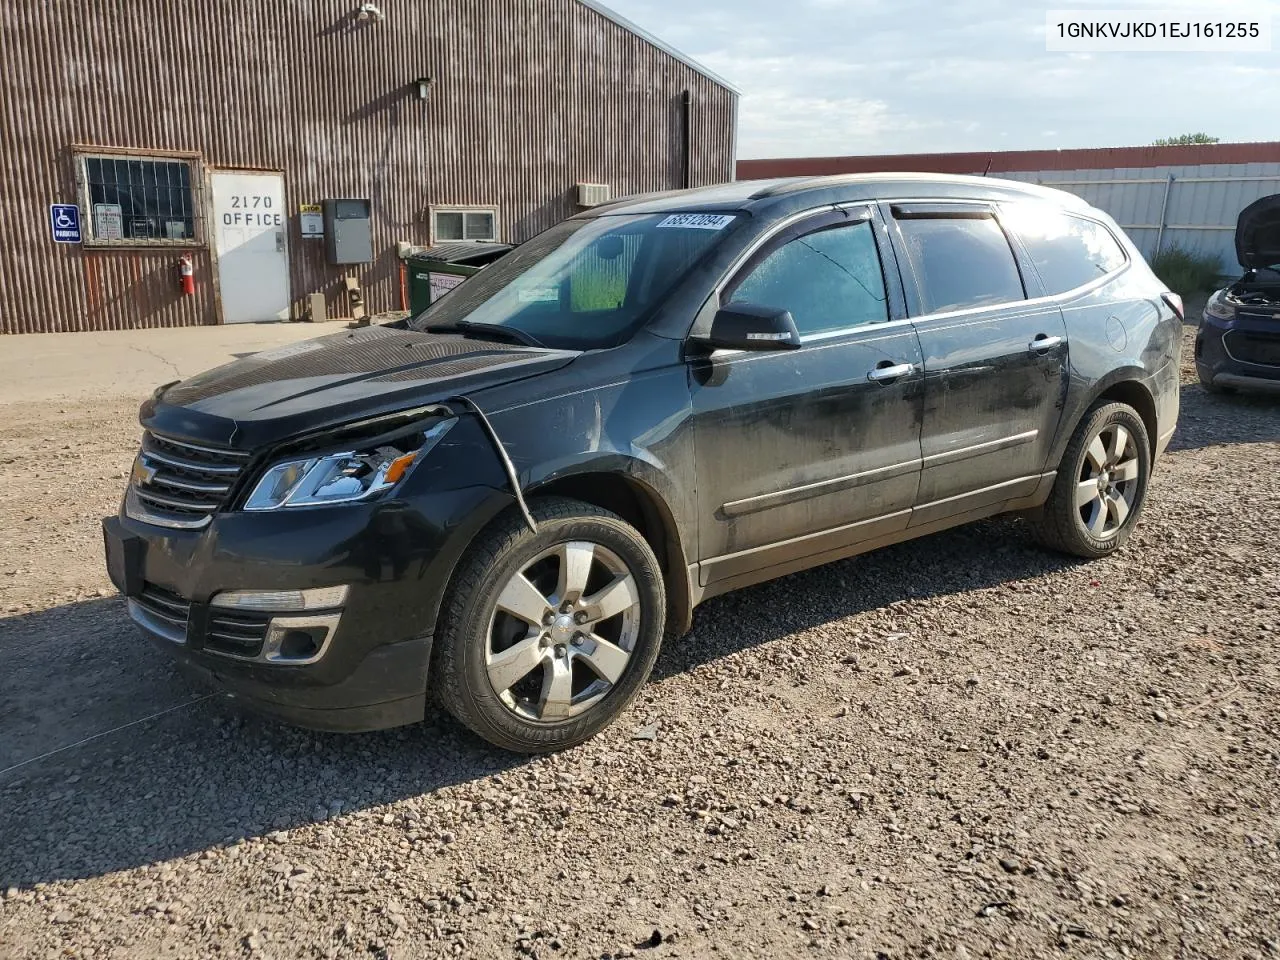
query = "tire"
x=563 y=681
x=1100 y=525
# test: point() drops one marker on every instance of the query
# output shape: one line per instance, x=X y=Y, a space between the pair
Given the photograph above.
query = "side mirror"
x=745 y=326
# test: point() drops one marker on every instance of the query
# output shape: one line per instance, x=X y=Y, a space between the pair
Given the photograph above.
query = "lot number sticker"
x=698 y=221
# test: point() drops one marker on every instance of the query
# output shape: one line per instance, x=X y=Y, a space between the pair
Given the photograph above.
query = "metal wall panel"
x=529 y=97
x=1189 y=206
x=1188 y=196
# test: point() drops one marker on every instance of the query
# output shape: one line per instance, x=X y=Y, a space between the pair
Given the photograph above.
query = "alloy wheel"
x=1108 y=484
x=562 y=632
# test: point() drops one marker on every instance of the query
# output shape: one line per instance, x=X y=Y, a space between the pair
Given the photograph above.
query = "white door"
x=249 y=225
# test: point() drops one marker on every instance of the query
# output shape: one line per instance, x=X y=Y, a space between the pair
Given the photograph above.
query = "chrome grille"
x=236 y=634
x=163 y=611
x=180 y=484
x=232 y=634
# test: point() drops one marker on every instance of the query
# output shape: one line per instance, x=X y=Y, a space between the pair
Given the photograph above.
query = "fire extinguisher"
x=186 y=274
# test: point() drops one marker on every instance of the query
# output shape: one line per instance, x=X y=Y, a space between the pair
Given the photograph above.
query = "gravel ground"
x=959 y=747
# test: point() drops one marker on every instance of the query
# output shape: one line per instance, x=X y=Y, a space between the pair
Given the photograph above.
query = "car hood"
x=281 y=393
x=1258 y=233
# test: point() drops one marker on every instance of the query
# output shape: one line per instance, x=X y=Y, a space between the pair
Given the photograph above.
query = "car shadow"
x=200 y=772
x=936 y=565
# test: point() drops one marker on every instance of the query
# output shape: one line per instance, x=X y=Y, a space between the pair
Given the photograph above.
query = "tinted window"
x=961 y=262
x=583 y=283
x=829 y=280
x=1066 y=250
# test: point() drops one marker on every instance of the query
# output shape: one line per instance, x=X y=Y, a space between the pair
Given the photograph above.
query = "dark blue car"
x=1238 y=346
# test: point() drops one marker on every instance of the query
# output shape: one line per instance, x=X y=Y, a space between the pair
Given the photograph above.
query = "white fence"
x=1192 y=207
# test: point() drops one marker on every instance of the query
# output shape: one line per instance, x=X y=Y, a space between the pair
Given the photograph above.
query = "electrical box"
x=347 y=232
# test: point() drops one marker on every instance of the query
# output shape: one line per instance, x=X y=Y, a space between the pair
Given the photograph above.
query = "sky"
x=836 y=77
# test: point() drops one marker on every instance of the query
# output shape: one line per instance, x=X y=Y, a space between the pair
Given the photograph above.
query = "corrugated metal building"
x=217 y=128
x=1188 y=196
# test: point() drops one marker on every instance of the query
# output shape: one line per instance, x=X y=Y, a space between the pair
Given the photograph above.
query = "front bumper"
x=395 y=556
x=1227 y=353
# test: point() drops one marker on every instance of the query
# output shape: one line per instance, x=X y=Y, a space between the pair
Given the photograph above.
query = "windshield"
x=583 y=283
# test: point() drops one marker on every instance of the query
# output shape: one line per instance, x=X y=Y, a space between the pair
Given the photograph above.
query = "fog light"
x=299 y=640
x=281 y=601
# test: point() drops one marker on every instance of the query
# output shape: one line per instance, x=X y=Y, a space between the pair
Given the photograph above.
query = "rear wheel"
x=1101 y=484
x=545 y=638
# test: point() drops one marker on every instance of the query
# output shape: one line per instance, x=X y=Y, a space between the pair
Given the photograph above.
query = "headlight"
x=343 y=477
x=1219 y=309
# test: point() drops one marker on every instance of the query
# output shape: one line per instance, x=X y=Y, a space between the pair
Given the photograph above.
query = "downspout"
x=688 y=139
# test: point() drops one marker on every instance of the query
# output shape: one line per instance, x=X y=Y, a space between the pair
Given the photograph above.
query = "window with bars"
x=138 y=199
x=463 y=223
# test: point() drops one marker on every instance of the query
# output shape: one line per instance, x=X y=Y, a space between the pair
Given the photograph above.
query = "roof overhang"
x=666 y=48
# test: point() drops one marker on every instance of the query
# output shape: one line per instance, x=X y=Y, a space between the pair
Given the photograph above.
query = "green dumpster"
x=434 y=271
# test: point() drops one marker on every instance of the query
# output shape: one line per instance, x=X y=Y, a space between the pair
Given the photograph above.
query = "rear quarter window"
x=960 y=262
x=1067 y=251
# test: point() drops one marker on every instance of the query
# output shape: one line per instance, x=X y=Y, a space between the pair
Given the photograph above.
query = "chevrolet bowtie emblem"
x=143 y=472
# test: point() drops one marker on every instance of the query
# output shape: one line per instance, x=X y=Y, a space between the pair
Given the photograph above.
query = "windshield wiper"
x=497 y=330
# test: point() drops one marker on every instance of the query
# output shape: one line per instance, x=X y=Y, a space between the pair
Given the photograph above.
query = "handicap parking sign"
x=64 y=220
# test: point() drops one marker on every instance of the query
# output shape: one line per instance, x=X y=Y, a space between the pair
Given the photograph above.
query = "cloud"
x=890 y=76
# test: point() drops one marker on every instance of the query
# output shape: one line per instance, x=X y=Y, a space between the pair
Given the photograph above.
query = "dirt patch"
x=963 y=746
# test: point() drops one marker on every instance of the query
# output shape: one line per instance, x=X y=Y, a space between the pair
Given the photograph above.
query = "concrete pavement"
x=48 y=366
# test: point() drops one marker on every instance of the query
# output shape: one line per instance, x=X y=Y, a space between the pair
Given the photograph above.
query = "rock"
x=63 y=916
x=1010 y=866
x=1160 y=715
x=648 y=731
x=282 y=867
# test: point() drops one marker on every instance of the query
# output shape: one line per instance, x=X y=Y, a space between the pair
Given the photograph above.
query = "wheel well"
x=1139 y=397
x=644 y=510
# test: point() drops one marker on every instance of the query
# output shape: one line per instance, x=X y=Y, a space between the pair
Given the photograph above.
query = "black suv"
x=1238 y=344
x=509 y=499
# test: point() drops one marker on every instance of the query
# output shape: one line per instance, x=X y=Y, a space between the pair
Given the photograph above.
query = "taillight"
x=1175 y=303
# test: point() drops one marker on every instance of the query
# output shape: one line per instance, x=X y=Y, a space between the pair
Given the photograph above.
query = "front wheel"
x=1101 y=484
x=545 y=638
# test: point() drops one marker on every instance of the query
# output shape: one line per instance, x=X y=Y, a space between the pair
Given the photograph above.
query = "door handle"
x=1043 y=343
x=891 y=372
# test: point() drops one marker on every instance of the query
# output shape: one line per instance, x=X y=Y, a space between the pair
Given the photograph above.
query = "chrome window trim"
x=997 y=210
x=721 y=354
x=1046 y=300
x=732 y=270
